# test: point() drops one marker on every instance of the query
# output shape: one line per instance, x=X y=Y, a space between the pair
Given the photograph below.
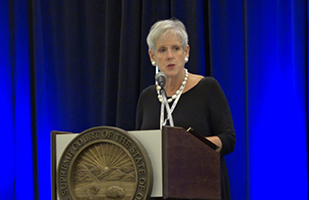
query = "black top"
x=204 y=108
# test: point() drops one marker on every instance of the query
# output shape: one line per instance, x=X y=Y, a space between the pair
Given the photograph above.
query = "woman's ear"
x=152 y=58
x=187 y=50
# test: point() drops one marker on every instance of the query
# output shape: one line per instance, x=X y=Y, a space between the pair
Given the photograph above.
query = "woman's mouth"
x=170 y=66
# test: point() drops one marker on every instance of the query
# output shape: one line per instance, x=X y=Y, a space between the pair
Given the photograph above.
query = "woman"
x=195 y=101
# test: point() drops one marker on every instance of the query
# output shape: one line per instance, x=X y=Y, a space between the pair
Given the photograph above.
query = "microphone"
x=161 y=78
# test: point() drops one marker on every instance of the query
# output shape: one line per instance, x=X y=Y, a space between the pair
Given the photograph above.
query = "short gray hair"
x=167 y=26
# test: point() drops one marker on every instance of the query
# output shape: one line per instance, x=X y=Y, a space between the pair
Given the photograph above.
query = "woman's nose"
x=170 y=54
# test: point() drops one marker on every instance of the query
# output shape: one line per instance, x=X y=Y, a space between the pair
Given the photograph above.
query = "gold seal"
x=104 y=163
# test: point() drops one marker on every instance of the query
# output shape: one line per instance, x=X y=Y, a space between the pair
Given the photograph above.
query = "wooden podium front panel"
x=191 y=169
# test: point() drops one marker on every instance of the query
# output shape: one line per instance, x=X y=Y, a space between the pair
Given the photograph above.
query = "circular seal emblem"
x=104 y=163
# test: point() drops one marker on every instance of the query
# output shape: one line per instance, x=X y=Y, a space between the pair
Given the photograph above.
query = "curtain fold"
x=16 y=113
x=6 y=106
x=228 y=66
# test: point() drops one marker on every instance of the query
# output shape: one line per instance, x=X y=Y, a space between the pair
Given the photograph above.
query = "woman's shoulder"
x=196 y=79
x=148 y=90
x=192 y=81
x=199 y=80
x=208 y=80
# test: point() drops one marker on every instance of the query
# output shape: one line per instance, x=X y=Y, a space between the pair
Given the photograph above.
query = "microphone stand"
x=167 y=106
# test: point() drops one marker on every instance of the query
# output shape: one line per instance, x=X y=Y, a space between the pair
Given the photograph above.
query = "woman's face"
x=170 y=55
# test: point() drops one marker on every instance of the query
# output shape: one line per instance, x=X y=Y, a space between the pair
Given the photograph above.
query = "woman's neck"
x=173 y=84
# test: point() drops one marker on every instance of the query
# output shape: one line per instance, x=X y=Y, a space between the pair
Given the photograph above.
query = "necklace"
x=178 y=92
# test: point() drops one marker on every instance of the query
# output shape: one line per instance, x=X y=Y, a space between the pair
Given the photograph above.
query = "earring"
x=186 y=59
x=153 y=63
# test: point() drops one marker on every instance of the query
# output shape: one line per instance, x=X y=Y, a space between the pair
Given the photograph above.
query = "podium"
x=185 y=164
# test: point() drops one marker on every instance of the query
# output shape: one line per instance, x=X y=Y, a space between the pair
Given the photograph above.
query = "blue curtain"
x=277 y=98
x=17 y=148
x=259 y=55
x=71 y=65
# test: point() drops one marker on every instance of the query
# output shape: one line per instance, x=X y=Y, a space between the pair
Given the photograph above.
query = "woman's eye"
x=161 y=50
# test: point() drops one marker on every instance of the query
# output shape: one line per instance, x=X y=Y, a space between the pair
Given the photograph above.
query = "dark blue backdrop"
x=71 y=65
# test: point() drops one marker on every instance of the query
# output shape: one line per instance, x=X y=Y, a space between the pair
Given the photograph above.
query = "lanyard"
x=162 y=120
